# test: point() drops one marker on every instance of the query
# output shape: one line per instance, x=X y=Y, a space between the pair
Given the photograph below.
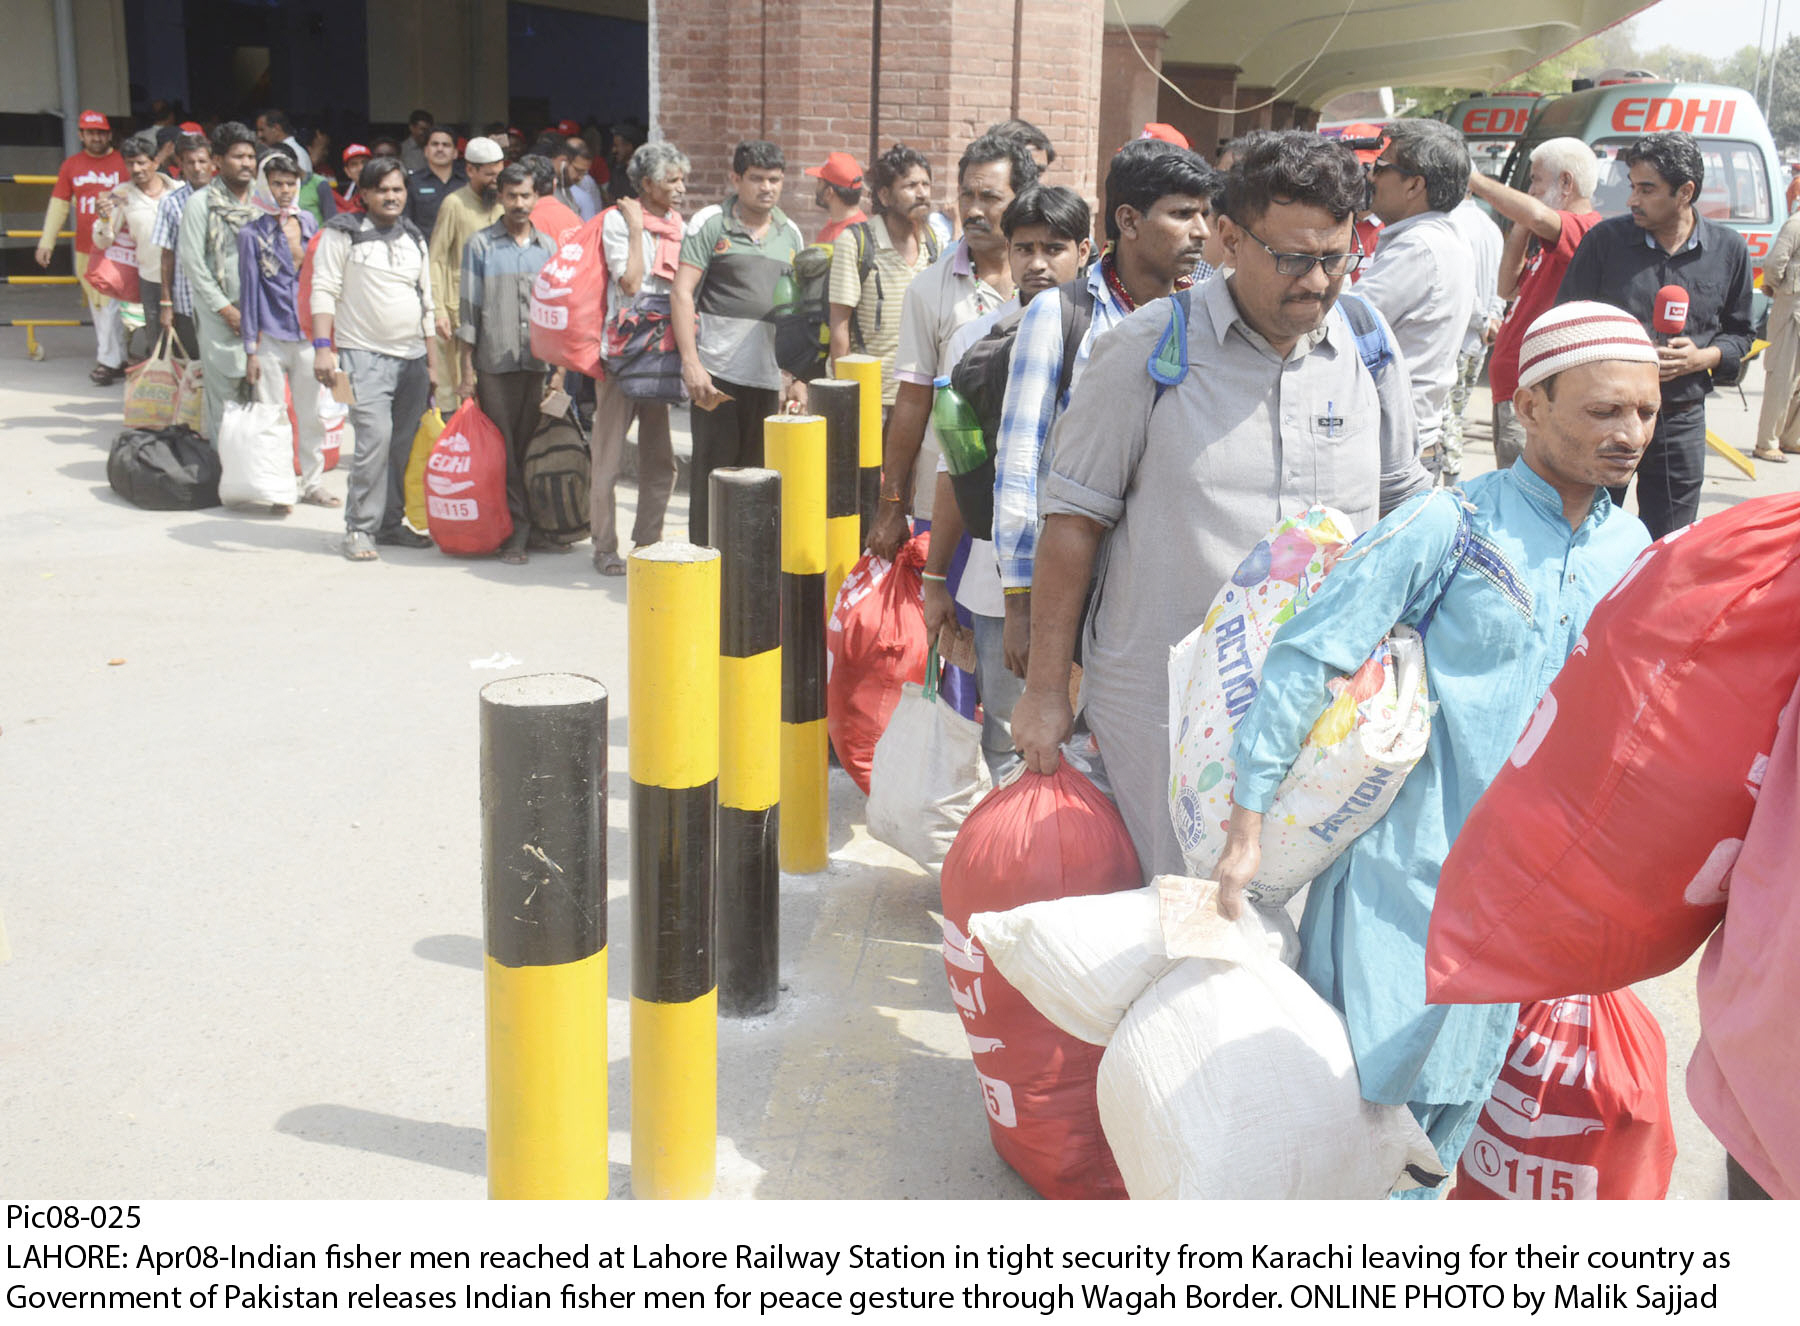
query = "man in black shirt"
x=442 y=176
x=1625 y=261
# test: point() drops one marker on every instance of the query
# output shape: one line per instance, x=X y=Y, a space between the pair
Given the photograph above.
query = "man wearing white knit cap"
x=1501 y=582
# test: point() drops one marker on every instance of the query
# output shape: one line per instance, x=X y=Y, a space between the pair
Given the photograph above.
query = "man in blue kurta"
x=1505 y=571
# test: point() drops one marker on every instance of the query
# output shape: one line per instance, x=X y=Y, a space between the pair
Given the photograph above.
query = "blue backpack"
x=1168 y=362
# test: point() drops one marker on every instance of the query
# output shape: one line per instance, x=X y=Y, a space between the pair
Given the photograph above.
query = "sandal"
x=359 y=547
x=514 y=556
x=610 y=565
x=319 y=497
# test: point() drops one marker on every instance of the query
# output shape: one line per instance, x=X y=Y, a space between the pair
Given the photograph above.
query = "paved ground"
x=241 y=875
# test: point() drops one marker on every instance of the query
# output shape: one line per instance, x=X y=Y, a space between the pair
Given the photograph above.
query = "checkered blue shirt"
x=1022 y=458
x=168 y=232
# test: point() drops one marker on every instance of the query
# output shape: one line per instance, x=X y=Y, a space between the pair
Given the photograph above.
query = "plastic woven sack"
x=1637 y=775
x=465 y=485
x=115 y=272
x=190 y=394
x=874 y=645
x=927 y=774
x=150 y=388
x=256 y=450
x=568 y=302
x=1039 y=837
x=1581 y=1109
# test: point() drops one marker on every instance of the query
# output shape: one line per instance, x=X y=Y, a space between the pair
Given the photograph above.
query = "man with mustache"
x=1503 y=574
x=974 y=279
x=1265 y=407
x=893 y=248
x=1625 y=261
x=1548 y=224
x=461 y=216
x=1422 y=278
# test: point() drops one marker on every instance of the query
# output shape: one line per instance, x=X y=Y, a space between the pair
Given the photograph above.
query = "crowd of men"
x=1176 y=386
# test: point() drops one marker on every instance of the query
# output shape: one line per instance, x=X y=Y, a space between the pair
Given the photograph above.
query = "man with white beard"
x=1549 y=223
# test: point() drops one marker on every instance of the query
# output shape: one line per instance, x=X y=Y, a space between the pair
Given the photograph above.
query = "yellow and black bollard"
x=672 y=590
x=543 y=832
x=795 y=445
x=746 y=528
x=865 y=370
x=839 y=403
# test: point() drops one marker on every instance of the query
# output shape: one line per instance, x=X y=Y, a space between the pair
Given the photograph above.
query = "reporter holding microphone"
x=1649 y=262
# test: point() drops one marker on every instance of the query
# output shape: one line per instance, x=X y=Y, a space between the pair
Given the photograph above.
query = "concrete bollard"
x=839 y=404
x=866 y=371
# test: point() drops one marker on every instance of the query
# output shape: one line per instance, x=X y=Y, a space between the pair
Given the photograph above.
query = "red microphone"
x=1670 y=313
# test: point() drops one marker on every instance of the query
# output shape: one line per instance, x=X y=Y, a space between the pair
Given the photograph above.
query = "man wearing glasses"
x=1423 y=276
x=1276 y=411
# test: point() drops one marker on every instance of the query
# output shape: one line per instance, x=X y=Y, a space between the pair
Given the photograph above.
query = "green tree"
x=1784 y=101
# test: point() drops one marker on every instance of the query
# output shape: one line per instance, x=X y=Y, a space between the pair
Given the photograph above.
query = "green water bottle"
x=958 y=429
x=787 y=294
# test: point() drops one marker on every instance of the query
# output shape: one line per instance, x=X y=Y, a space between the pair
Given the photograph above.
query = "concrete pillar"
x=1305 y=117
x=1281 y=115
x=1260 y=118
x=1129 y=94
x=1210 y=85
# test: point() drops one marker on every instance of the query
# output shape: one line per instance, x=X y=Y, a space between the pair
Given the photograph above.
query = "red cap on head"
x=1670 y=311
x=1168 y=133
x=840 y=170
x=1366 y=155
x=93 y=119
x=353 y=151
x=567 y=128
x=192 y=127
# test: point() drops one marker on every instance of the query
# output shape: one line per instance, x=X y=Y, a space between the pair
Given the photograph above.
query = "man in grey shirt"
x=1422 y=276
x=1171 y=485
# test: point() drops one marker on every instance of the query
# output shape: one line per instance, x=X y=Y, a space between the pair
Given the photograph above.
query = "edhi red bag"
x=874 y=644
x=465 y=485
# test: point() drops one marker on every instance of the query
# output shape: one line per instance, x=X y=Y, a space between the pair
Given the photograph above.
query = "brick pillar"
x=1209 y=84
x=1262 y=118
x=1128 y=94
x=799 y=75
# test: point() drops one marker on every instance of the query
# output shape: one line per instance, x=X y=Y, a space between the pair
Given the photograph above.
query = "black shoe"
x=402 y=537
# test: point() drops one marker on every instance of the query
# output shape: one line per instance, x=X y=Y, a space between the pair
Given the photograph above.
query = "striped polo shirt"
x=737 y=291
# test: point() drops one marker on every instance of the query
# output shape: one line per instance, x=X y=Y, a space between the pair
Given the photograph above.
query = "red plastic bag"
x=1581 y=1109
x=874 y=644
x=568 y=302
x=465 y=485
x=1037 y=838
x=332 y=414
x=303 y=291
x=115 y=272
x=1601 y=854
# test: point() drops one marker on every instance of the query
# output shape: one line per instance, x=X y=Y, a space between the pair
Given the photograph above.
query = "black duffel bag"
x=164 y=469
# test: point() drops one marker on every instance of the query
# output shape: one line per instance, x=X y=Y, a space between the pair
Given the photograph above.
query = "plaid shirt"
x=1022 y=459
x=168 y=231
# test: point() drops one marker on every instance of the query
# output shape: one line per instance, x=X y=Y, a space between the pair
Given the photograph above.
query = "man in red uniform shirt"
x=1548 y=225
x=95 y=170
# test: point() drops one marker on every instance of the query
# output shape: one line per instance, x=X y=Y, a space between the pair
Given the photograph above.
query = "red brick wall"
x=798 y=74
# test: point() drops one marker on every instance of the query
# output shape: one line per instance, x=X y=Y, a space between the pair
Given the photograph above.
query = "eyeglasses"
x=1295 y=265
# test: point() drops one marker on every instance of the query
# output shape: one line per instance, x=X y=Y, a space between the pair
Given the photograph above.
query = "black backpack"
x=803 y=328
x=164 y=469
x=980 y=378
x=557 y=472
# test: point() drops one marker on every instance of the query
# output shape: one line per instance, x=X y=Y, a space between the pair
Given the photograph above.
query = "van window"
x=1736 y=188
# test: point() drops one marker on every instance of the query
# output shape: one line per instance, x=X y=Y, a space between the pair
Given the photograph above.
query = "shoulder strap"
x=865 y=250
x=1168 y=362
x=1077 y=303
x=1459 y=552
x=1372 y=342
x=931 y=243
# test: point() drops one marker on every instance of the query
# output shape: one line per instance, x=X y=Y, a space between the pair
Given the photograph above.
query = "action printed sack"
x=431 y=427
x=170 y=469
x=190 y=394
x=1637 y=775
x=558 y=485
x=256 y=450
x=1039 y=837
x=639 y=351
x=1581 y=1110
x=874 y=645
x=927 y=773
x=115 y=272
x=568 y=302
x=465 y=485
x=150 y=388
x=1229 y=1077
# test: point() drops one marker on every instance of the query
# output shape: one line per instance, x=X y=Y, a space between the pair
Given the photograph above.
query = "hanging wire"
x=1231 y=110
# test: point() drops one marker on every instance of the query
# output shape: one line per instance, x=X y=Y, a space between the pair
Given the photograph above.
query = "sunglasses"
x=1294 y=265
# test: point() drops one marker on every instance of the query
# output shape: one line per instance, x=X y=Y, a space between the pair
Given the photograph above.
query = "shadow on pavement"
x=448 y=1146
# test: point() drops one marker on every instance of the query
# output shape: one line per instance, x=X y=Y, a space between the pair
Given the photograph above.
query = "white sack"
x=925 y=777
x=256 y=456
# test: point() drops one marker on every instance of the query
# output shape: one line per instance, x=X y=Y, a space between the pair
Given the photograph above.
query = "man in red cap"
x=1368 y=225
x=1167 y=133
x=839 y=194
x=95 y=170
x=351 y=199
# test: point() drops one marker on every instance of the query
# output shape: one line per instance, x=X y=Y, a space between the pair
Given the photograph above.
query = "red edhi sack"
x=1581 y=1109
x=1039 y=837
x=465 y=485
x=1601 y=854
x=568 y=302
x=874 y=644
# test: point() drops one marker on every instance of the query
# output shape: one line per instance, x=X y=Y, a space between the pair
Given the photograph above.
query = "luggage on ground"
x=168 y=469
x=874 y=644
x=558 y=487
x=431 y=426
x=927 y=773
x=465 y=485
x=256 y=455
x=151 y=386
